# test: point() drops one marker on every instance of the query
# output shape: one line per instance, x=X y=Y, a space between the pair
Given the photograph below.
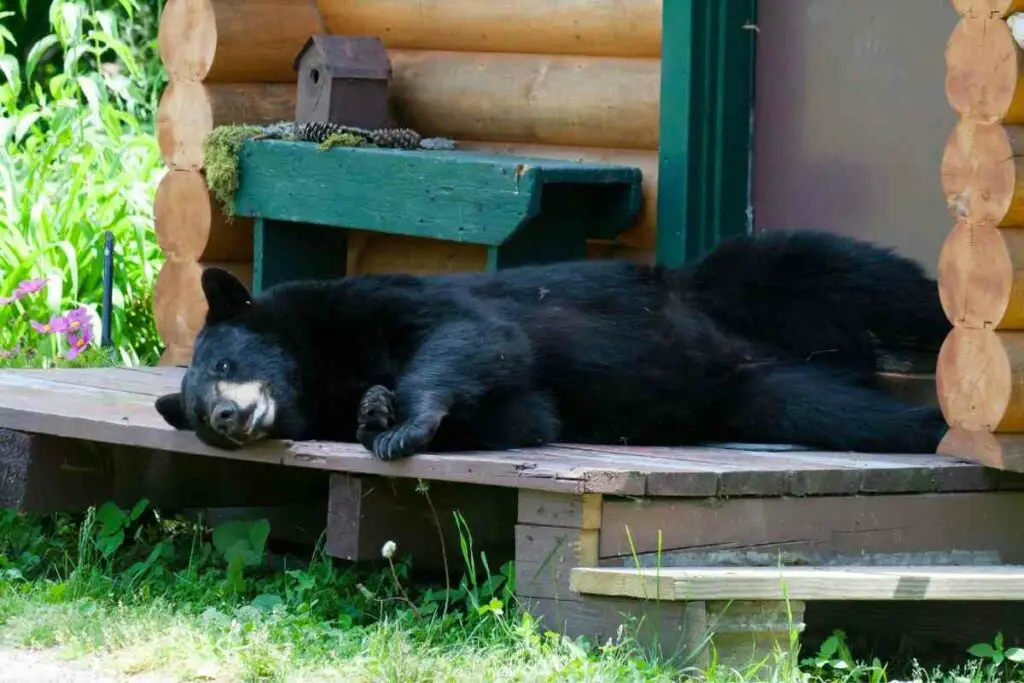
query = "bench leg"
x=284 y=251
x=559 y=231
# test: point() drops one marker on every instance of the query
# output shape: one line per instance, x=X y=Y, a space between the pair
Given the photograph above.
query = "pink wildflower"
x=78 y=330
x=24 y=288
x=77 y=319
x=78 y=344
x=57 y=323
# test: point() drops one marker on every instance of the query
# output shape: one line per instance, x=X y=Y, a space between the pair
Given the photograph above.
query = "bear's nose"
x=224 y=416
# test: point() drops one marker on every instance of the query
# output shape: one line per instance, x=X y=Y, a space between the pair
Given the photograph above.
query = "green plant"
x=242 y=544
x=78 y=159
x=835 y=660
x=996 y=655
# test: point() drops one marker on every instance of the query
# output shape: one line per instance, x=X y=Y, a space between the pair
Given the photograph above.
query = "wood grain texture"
x=803 y=583
x=42 y=474
x=190 y=110
x=983 y=70
x=370 y=252
x=819 y=530
x=546 y=99
x=983 y=173
x=981 y=276
x=31 y=404
x=235 y=40
x=365 y=512
x=643 y=233
x=980 y=380
x=179 y=306
x=576 y=27
x=1000 y=451
x=191 y=225
x=988 y=8
x=670 y=627
x=449 y=195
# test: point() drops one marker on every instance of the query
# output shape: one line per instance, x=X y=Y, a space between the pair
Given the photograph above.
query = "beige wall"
x=851 y=117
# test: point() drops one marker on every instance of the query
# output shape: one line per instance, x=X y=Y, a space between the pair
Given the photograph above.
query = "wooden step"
x=803 y=583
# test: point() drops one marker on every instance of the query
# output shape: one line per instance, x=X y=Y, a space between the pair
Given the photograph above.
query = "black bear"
x=771 y=338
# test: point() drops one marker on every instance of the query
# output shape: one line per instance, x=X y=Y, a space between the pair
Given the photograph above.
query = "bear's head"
x=242 y=383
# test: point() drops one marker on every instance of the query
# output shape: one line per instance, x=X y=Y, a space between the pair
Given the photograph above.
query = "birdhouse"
x=343 y=80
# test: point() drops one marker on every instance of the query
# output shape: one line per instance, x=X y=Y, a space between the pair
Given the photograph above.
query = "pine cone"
x=316 y=131
x=402 y=138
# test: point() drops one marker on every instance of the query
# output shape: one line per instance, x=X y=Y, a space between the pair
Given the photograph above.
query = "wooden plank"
x=803 y=583
x=36 y=406
x=546 y=99
x=544 y=557
x=717 y=471
x=128 y=380
x=817 y=528
x=88 y=406
x=605 y=27
x=459 y=196
x=43 y=474
x=544 y=508
x=666 y=629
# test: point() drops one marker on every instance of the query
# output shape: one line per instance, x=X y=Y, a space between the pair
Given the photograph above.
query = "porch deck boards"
x=115 y=406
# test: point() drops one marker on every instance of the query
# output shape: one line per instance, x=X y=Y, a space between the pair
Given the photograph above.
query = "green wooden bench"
x=524 y=210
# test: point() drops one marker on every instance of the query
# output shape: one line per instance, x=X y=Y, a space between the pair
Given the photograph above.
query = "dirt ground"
x=47 y=666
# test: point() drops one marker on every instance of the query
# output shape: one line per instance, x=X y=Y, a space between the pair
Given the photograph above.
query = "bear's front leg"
x=455 y=366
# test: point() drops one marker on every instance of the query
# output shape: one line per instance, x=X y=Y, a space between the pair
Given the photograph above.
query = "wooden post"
x=981 y=267
x=707 y=76
x=365 y=512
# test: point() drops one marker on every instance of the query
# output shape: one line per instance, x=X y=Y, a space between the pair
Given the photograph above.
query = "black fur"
x=773 y=338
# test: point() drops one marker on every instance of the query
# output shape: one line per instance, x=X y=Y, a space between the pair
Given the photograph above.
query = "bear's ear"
x=171 y=409
x=226 y=296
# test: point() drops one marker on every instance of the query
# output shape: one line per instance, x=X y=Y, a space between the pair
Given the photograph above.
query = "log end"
x=987 y=8
x=976 y=277
x=980 y=174
x=191 y=226
x=188 y=39
x=998 y=451
x=974 y=380
x=983 y=63
x=179 y=305
x=182 y=121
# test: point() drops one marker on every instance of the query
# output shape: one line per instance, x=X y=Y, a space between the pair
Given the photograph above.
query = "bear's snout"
x=225 y=416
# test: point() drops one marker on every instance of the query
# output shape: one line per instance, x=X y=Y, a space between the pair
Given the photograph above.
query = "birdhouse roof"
x=349 y=56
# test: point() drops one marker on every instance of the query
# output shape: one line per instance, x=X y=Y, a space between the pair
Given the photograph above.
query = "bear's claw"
x=376 y=415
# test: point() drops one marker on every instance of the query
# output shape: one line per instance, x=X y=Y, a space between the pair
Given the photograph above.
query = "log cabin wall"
x=577 y=80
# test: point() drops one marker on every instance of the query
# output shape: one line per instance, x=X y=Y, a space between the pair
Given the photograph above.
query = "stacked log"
x=538 y=77
x=980 y=372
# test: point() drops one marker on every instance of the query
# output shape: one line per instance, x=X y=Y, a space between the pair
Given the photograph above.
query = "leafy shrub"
x=78 y=158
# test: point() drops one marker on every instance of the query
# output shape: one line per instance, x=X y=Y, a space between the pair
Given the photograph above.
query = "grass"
x=141 y=593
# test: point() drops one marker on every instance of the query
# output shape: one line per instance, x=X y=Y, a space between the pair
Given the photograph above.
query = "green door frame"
x=707 y=94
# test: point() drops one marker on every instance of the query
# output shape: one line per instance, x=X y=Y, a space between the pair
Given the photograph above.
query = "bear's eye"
x=223 y=366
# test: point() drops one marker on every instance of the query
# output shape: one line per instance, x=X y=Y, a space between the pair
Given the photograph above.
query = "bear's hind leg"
x=807 y=406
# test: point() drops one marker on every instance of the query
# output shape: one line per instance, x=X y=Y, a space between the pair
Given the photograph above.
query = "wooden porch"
x=71 y=438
